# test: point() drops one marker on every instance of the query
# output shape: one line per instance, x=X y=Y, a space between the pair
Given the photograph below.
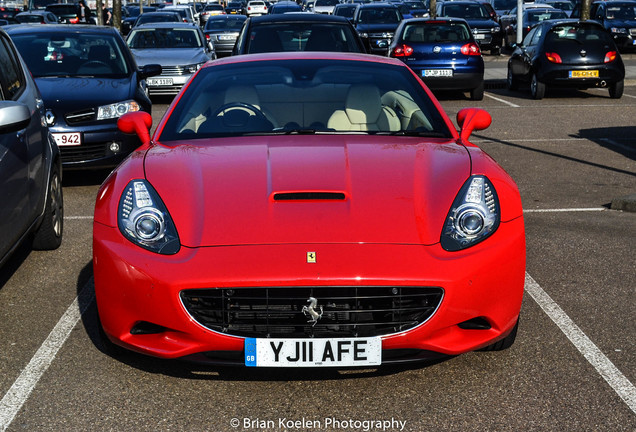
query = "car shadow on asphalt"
x=13 y=263
x=557 y=155
x=72 y=178
x=617 y=139
x=551 y=93
x=198 y=371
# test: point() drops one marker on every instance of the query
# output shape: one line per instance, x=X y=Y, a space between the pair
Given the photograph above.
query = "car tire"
x=511 y=82
x=477 y=94
x=48 y=236
x=616 y=89
x=504 y=343
x=537 y=88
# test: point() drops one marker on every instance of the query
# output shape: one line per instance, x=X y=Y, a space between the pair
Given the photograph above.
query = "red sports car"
x=308 y=209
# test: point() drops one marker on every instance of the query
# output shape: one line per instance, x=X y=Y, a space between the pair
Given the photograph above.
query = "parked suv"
x=487 y=32
x=618 y=18
x=30 y=168
x=376 y=24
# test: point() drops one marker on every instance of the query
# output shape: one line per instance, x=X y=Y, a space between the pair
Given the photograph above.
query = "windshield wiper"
x=415 y=133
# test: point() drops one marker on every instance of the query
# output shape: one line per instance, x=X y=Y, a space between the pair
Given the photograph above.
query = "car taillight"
x=471 y=49
x=207 y=37
x=402 y=51
x=265 y=8
x=74 y=20
x=610 y=56
x=553 y=57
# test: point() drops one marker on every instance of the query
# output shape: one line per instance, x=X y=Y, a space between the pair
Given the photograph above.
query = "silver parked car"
x=180 y=48
x=30 y=169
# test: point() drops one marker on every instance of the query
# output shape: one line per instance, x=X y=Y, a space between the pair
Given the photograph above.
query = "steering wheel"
x=230 y=106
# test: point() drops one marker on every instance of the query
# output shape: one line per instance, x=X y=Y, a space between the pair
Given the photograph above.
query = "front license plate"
x=313 y=352
x=226 y=37
x=68 y=139
x=584 y=74
x=437 y=73
x=479 y=36
x=159 y=81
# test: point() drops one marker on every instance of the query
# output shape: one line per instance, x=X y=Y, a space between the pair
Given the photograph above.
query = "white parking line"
x=21 y=389
x=604 y=366
x=565 y=210
x=501 y=100
x=77 y=217
x=19 y=392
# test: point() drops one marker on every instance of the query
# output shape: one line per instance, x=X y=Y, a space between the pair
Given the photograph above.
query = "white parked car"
x=256 y=7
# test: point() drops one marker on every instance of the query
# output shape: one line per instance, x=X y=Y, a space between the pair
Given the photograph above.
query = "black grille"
x=85 y=152
x=80 y=116
x=278 y=312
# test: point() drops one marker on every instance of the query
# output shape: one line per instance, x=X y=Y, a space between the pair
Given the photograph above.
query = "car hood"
x=84 y=92
x=169 y=56
x=391 y=192
x=481 y=23
x=618 y=23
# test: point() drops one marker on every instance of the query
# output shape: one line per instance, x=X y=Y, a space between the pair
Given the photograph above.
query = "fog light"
x=114 y=147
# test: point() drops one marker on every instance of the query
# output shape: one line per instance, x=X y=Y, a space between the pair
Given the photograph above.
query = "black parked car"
x=376 y=24
x=30 y=171
x=568 y=53
x=222 y=31
x=66 y=12
x=617 y=17
x=530 y=18
x=88 y=79
x=487 y=32
x=129 y=15
x=297 y=31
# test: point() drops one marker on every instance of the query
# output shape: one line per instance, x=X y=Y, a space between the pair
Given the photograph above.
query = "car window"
x=580 y=34
x=164 y=38
x=538 y=16
x=537 y=35
x=466 y=11
x=442 y=32
x=11 y=78
x=621 y=11
x=224 y=24
x=300 y=94
x=529 y=37
x=69 y=54
x=278 y=37
x=379 y=16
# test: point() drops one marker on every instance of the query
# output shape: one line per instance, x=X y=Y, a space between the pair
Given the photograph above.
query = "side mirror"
x=14 y=116
x=138 y=122
x=470 y=119
x=149 y=70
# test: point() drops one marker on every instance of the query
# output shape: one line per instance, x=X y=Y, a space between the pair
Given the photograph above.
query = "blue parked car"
x=442 y=52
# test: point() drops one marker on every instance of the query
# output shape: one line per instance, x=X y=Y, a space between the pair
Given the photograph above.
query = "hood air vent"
x=309 y=196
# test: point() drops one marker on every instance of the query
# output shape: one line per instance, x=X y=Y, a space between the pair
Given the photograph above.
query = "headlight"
x=364 y=35
x=193 y=68
x=619 y=30
x=473 y=216
x=144 y=220
x=495 y=30
x=117 y=110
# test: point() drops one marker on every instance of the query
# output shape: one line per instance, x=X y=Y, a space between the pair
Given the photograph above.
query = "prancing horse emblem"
x=311 y=311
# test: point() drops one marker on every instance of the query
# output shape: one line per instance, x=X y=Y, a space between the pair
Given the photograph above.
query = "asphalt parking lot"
x=572 y=367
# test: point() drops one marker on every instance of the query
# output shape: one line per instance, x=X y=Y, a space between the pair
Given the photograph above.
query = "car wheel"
x=616 y=89
x=512 y=82
x=504 y=343
x=49 y=234
x=477 y=93
x=537 y=88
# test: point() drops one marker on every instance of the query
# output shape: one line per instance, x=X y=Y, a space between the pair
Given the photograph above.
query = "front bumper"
x=97 y=149
x=177 y=81
x=135 y=286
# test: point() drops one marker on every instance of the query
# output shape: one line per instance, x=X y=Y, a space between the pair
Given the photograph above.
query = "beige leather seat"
x=364 y=112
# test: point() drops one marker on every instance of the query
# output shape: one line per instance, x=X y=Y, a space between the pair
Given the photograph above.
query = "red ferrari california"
x=308 y=210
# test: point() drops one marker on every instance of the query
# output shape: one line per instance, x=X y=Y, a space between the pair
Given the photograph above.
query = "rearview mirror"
x=149 y=70
x=138 y=122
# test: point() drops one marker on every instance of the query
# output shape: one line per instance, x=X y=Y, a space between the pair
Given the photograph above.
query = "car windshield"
x=326 y=2
x=442 y=32
x=379 y=16
x=466 y=11
x=582 y=34
x=134 y=11
x=301 y=36
x=224 y=24
x=625 y=11
x=563 y=5
x=50 y=54
x=164 y=38
x=144 y=18
x=60 y=9
x=303 y=97
x=538 y=16
x=22 y=19
x=504 y=4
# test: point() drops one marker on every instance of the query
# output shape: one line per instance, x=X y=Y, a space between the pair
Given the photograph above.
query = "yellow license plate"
x=584 y=74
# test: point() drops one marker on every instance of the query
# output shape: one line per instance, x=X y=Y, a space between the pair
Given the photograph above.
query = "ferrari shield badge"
x=311 y=257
